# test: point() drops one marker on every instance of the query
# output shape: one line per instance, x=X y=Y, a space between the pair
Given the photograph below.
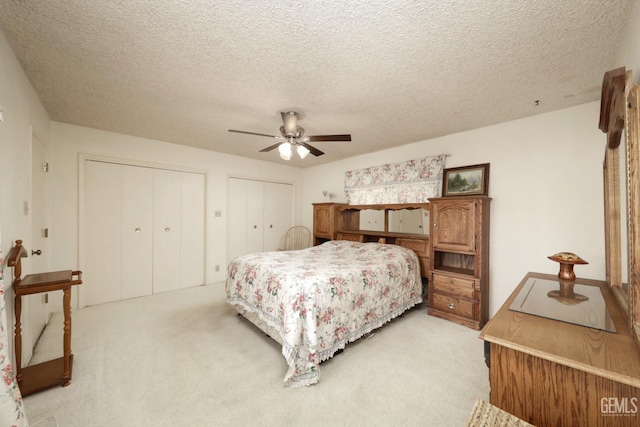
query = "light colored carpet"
x=184 y=358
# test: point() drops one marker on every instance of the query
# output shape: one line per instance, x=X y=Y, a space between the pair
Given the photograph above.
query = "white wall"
x=69 y=142
x=23 y=114
x=629 y=54
x=545 y=182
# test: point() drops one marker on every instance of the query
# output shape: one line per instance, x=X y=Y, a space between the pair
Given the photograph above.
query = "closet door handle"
x=255 y=226
x=137 y=230
x=271 y=226
x=167 y=229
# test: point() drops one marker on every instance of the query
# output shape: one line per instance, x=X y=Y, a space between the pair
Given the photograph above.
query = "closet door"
x=137 y=231
x=245 y=217
x=103 y=238
x=278 y=214
x=166 y=230
x=255 y=216
x=192 y=215
x=238 y=219
x=178 y=214
x=144 y=231
x=260 y=213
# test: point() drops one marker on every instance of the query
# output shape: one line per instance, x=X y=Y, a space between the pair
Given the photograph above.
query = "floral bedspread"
x=321 y=298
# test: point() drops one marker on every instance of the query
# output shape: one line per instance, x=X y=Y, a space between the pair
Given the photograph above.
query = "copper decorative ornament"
x=567 y=260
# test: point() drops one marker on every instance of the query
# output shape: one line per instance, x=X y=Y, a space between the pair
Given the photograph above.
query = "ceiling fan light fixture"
x=302 y=151
x=297 y=133
x=285 y=150
x=292 y=134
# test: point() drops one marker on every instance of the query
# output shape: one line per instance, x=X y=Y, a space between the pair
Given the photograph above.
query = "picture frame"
x=470 y=180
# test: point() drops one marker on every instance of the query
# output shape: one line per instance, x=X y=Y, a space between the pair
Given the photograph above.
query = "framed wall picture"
x=466 y=181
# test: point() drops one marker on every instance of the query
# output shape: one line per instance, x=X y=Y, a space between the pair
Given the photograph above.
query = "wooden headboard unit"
x=340 y=221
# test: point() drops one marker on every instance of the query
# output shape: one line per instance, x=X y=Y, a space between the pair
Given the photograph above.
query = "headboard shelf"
x=392 y=206
x=387 y=234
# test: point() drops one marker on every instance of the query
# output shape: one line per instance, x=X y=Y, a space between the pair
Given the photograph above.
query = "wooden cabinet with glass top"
x=561 y=353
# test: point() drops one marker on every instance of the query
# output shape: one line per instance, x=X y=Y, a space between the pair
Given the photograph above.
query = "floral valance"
x=413 y=181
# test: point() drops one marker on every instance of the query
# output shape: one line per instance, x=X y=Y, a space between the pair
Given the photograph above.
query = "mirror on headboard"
x=620 y=120
x=409 y=218
x=415 y=221
x=372 y=220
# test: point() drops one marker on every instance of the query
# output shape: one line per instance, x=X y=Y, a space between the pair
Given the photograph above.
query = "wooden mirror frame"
x=620 y=115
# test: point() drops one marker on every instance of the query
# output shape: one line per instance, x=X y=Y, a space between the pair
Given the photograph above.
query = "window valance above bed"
x=413 y=181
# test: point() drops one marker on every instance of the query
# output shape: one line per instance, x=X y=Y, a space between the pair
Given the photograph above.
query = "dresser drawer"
x=419 y=246
x=453 y=305
x=453 y=285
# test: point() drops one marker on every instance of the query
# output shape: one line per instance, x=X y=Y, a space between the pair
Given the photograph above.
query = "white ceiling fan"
x=292 y=136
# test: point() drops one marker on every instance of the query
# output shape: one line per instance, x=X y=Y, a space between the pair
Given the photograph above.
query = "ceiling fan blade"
x=326 y=138
x=252 y=133
x=313 y=150
x=271 y=147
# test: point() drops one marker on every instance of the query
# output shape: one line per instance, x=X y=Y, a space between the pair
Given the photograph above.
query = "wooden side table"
x=54 y=372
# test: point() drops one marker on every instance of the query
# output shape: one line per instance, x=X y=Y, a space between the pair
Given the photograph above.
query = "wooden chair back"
x=297 y=237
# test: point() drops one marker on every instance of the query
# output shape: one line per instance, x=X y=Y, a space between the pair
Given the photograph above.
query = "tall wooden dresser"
x=459 y=259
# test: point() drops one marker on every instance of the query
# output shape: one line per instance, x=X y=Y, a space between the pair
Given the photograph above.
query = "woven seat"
x=297 y=237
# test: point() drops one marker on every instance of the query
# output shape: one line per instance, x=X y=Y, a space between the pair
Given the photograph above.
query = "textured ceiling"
x=387 y=72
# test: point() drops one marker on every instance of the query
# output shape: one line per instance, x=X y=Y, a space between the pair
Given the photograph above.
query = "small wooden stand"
x=54 y=372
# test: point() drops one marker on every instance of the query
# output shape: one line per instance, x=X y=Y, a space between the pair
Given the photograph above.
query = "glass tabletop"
x=570 y=302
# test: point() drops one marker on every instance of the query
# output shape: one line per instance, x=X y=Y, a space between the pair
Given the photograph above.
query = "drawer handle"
x=452 y=306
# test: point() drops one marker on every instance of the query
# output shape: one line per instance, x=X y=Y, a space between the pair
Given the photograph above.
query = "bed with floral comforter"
x=317 y=300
